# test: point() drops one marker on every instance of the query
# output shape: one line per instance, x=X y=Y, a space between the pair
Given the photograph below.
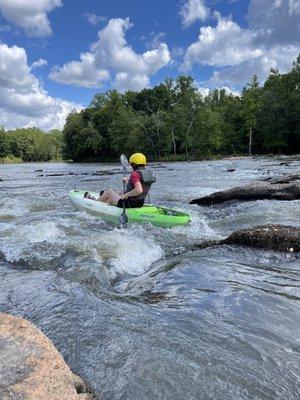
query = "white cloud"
x=23 y=102
x=226 y=44
x=193 y=10
x=14 y=70
x=112 y=53
x=31 y=15
x=204 y=90
x=177 y=52
x=277 y=21
x=278 y=57
x=153 y=40
x=231 y=91
x=94 y=19
x=39 y=63
x=80 y=73
x=125 y=81
x=272 y=41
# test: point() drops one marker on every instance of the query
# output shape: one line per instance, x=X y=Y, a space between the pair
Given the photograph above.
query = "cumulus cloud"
x=193 y=10
x=80 y=73
x=23 y=101
x=112 y=53
x=31 y=15
x=277 y=21
x=223 y=45
x=125 y=81
x=271 y=41
x=278 y=57
x=39 y=63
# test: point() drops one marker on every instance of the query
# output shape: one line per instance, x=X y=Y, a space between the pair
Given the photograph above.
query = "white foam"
x=130 y=252
x=13 y=208
x=20 y=242
x=41 y=232
x=197 y=229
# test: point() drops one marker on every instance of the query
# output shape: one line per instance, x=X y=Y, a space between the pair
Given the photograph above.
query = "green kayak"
x=160 y=216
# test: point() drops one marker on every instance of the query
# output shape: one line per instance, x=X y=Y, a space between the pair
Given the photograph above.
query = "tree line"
x=173 y=121
x=30 y=144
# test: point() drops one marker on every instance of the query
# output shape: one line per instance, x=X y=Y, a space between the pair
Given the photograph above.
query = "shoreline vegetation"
x=172 y=121
x=15 y=160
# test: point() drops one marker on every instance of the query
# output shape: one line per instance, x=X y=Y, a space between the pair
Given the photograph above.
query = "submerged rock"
x=269 y=237
x=97 y=173
x=284 y=188
x=283 y=179
x=32 y=368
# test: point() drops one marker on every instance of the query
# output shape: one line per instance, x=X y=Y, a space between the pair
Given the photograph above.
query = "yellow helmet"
x=138 y=159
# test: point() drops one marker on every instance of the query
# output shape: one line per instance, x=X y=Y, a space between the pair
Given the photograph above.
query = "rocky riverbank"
x=32 y=368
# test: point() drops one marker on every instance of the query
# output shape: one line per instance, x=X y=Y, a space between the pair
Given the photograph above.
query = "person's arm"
x=138 y=189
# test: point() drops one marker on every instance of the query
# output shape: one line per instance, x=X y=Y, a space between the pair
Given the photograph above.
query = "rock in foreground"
x=285 y=188
x=32 y=368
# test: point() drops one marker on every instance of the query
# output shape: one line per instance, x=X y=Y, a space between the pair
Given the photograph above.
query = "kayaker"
x=138 y=185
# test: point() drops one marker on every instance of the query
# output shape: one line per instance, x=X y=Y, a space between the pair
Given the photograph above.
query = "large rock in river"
x=31 y=367
x=284 y=188
x=269 y=237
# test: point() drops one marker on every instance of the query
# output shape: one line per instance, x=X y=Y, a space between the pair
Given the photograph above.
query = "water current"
x=135 y=313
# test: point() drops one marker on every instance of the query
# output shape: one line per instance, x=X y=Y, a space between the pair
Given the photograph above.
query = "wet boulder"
x=269 y=237
x=283 y=188
x=32 y=368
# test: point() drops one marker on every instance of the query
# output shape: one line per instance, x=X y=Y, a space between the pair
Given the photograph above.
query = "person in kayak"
x=138 y=185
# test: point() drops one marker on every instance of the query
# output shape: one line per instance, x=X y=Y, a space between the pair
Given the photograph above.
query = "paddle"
x=123 y=219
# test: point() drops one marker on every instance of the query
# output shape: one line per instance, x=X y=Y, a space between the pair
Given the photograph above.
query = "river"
x=135 y=314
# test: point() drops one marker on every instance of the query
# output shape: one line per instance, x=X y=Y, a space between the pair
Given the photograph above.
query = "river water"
x=131 y=310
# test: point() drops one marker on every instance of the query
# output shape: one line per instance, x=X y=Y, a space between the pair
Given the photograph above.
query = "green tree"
x=252 y=101
x=4 y=143
x=280 y=111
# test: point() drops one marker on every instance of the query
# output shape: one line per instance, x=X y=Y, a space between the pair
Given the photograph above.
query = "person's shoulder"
x=135 y=174
x=135 y=177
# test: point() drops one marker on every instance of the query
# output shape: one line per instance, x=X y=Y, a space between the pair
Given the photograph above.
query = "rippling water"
x=133 y=313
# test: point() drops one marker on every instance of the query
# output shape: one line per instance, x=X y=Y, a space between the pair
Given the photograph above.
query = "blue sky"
x=56 y=54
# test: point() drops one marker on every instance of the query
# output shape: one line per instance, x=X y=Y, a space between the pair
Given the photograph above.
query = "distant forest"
x=172 y=121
